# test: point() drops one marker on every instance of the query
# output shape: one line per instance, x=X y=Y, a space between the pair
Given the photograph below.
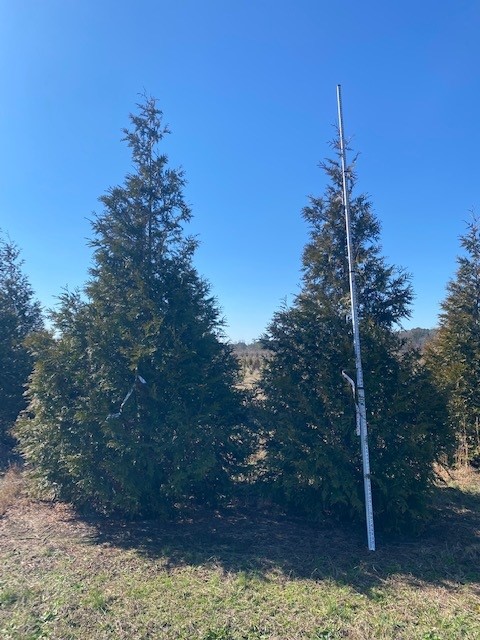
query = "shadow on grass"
x=8 y=457
x=261 y=545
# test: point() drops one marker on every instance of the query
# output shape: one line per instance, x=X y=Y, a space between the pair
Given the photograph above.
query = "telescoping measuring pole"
x=356 y=339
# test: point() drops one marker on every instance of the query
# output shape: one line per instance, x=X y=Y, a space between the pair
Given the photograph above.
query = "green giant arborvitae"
x=20 y=317
x=454 y=354
x=134 y=406
x=313 y=461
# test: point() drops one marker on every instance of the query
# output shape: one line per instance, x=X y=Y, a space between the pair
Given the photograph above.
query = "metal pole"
x=356 y=339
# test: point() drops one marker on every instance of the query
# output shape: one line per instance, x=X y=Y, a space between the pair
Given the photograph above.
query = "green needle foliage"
x=20 y=316
x=454 y=355
x=313 y=460
x=134 y=406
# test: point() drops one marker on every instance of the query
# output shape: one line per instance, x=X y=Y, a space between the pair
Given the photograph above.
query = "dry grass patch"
x=11 y=486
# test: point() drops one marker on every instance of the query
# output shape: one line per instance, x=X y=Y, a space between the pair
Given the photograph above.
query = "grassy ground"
x=236 y=576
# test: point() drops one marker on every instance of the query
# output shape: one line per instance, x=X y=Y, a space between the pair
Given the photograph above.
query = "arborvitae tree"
x=454 y=354
x=20 y=315
x=134 y=405
x=313 y=459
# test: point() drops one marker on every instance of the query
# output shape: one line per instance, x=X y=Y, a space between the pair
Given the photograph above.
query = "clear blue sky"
x=248 y=89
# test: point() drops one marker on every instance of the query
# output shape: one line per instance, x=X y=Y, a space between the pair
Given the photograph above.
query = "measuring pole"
x=362 y=413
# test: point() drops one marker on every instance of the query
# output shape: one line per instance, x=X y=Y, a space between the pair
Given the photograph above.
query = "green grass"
x=238 y=575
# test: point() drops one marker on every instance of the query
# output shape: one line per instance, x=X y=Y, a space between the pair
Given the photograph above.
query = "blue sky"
x=248 y=89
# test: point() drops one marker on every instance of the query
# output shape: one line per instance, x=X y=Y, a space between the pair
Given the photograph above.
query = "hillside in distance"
x=415 y=338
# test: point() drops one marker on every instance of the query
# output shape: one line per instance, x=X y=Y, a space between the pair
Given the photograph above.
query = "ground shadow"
x=8 y=457
x=258 y=543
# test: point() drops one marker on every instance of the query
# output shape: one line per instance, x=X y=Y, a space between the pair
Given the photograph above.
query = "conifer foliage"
x=134 y=406
x=313 y=459
x=454 y=354
x=20 y=316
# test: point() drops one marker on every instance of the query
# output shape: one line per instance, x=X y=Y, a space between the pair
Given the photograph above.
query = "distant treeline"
x=416 y=338
x=251 y=355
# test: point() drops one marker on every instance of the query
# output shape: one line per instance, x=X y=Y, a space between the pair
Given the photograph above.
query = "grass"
x=238 y=575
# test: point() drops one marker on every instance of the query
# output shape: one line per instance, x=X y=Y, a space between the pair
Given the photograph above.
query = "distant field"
x=251 y=357
x=236 y=575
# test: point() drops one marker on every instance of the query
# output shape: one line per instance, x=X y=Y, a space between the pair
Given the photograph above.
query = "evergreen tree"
x=20 y=315
x=454 y=354
x=313 y=459
x=134 y=406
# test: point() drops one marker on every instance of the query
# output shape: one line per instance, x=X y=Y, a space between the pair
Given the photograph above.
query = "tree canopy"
x=134 y=405
x=312 y=458
x=20 y=316
x=454 y=354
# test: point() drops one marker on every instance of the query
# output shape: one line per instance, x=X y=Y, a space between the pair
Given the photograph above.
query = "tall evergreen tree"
x=134 y=405
x=20 y=315
x=454 y=354
x=312 y=452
